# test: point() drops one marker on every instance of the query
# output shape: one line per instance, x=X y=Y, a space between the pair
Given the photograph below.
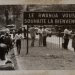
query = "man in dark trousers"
x=25 y=32
x=44 y=33
x=8 y=41
x=33 y=34
x=67 y=33
x=18 y=38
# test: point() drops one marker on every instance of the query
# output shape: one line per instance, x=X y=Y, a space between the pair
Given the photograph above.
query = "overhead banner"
x=49 y=18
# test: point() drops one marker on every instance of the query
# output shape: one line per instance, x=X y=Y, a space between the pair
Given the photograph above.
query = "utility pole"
x=27 y=9
x=59 y=35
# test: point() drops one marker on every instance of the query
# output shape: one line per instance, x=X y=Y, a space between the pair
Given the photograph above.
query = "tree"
x=10 y=13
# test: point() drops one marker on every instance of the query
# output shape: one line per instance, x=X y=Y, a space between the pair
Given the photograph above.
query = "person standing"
x=44 y=33
x=40 y=36
x=66 y=38
x=18 y=38
x=13 y=33
x=25 y=32
x=32 y=34
x=73 y=41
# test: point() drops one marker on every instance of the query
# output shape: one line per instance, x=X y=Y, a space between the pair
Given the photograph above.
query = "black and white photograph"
x=37 y=37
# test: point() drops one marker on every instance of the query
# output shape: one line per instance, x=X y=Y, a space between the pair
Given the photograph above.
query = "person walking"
x=8 y=41
x=44 y=33
x=33 y=35
x=40 y=36
x=18 y=38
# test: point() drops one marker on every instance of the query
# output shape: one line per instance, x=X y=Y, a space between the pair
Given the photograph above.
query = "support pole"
x=27 y=41
x=27 y=9
x=59 y=36
x=59 y=40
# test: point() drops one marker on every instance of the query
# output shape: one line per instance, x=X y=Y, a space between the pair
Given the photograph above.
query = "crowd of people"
x=42 y=32
x=6 y=42
x=5 y=45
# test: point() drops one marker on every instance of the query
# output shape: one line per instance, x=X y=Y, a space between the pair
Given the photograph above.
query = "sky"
x=36 y=1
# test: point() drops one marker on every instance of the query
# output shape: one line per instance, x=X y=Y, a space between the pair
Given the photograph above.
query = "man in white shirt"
x=18 y=38
x=33 y=35
x=40 y=36
x=66 y=37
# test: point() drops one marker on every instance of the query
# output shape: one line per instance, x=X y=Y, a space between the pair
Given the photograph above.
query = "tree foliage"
x=15 y=10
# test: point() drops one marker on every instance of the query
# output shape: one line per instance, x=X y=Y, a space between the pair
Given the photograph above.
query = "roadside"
x=13 y=58
x=45 y=58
